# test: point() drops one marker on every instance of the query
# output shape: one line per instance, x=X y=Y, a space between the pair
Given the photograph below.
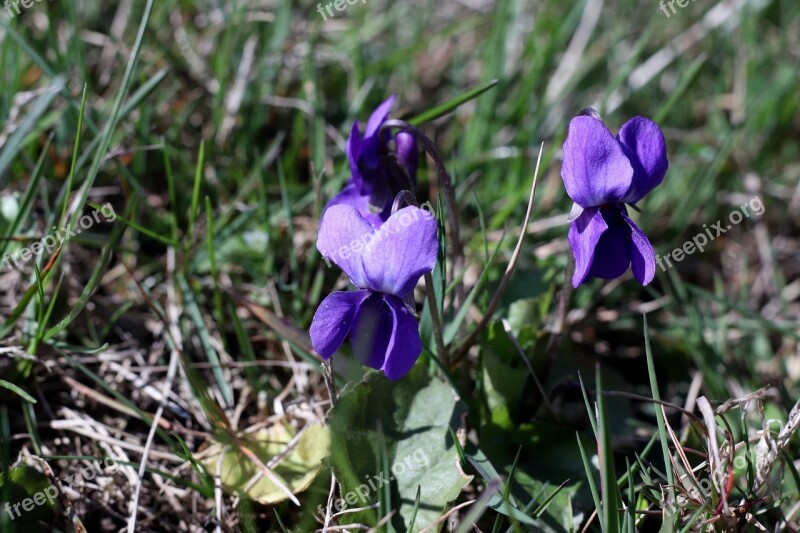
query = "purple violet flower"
x=602 y=173
x=385 y=264
x=377 y=172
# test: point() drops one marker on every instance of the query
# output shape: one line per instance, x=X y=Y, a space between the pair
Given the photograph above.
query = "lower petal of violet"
x=584 y=234
x=372 y=332
x=334 y=319
x=643 y=259
x=405 y=344
x=612 y=254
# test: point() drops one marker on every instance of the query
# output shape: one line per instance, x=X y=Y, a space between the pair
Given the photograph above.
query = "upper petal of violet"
x=595 y=169
x=369 y=155
x=379 y=116
x=644 y=144
x=333 y=320
x=403 y=249
x=353 y=149
x=342 y=235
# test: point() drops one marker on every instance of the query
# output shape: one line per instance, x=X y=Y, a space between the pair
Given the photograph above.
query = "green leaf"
x=18 y=391
x=29 y=499
x=450 y=105
x=500 y=502
x=296 y=470
x=406 y=422
x=504 y=386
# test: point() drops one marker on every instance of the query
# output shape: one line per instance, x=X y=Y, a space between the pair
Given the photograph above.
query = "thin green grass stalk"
x=5 y=462
x=132 y=104
x=550 y=498
x=190 y=303
x=280 y=522
x=385 y=506
x=17 y=390
x=662 y=426
x=477 y=509
x=32 y=426
x=688 y=76
x=92 y=284
x=27 y=199
x=507 y=497
x=198 y=180
x=453 y=327
x=297 y=301
x=413 y=519
x=73 y=165
x=213 y=267
x=173 y=198
x=587 y=466
x=451 y=105
x=588 y=404
x=199 y=468
x=247 y=352
x=113 y=121
x=630 y=520
x=608 y=475
x=15 y=141
x=141 y=229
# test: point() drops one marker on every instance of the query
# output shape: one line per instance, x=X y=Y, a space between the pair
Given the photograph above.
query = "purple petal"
x=612 y=255
x=405 y=344
x=351 y=195
x=407 y=152
x=378 y=117
x=333 y=320
x=584 y=234
x=643 y=259
x=402 y=250
x=372 y=332
x=369 y=156
x=645 y=146
x=353 y=149
x=342 y=235
x=595 y=169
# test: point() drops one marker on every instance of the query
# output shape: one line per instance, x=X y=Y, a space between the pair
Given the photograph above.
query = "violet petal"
x=333 y=320
x=595 y=169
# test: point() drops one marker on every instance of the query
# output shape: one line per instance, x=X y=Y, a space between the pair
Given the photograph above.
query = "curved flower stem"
x=330 y=381
x=438 y=330
x=403 y=199
x=449 y=197
x=463 y=349
x=554 y=342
